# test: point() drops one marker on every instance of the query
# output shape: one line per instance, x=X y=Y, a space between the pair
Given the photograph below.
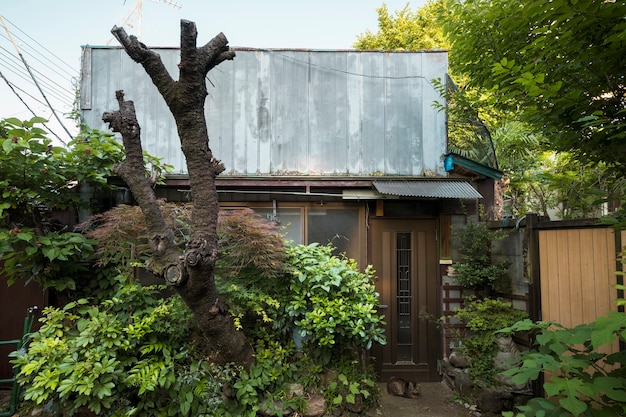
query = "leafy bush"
x=332 y=303
x=37 y=179
x=477 y=269
x=325 y=304
x=125 y=356
x=581 y=378
x=484 y=318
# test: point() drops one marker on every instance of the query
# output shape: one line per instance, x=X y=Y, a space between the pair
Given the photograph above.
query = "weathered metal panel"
x=292 y=112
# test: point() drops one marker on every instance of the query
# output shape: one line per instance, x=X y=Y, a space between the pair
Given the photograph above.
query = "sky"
x=49 y=34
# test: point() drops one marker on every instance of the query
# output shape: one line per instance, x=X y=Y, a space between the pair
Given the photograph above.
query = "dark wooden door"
x=404 y=254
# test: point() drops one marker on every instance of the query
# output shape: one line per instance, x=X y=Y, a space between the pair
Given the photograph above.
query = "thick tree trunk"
x=192 y=271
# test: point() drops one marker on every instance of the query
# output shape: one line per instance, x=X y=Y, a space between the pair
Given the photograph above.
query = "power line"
x=35 y=81
x=60 y=95
x=52 y=84
x=34 y=114
x=72 y=69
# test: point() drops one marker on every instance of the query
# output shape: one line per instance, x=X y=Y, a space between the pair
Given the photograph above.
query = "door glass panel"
x=404 y=340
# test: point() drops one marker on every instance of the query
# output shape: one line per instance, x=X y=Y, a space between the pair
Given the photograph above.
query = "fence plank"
x=576 y=248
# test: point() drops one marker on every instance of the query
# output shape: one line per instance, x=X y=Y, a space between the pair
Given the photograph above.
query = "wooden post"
x=534 y=286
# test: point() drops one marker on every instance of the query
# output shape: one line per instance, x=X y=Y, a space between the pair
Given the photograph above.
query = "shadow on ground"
x=436 y=400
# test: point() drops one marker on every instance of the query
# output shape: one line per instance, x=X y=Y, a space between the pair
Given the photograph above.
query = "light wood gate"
x=578 y=273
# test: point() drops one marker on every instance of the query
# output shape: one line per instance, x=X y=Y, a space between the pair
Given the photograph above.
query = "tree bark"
x=191 y=271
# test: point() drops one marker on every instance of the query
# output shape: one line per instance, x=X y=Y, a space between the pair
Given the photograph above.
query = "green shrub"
x=477 y=269
x=484 y=318
x=325 y=304
x=37 y=179
x=149 y=360
x=332 y=303
x=129 y=355
x=581 y=380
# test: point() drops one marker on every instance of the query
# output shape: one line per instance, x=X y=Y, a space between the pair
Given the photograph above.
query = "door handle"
x=382 y=306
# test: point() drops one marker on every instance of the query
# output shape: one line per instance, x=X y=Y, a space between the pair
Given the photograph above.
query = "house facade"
x=345 y=147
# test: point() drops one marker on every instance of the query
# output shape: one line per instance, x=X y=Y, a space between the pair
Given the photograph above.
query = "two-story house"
x=339 y=146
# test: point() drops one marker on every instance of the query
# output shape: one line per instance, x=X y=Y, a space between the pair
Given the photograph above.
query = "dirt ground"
x=436 y=400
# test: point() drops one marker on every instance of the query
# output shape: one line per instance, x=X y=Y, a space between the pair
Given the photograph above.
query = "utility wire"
x=13 y=64
x=72 y=70
x=35 y=80
x=37 y=56
x=31 y=110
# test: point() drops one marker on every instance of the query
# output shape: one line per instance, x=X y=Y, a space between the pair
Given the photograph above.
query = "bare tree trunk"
x=192 y=272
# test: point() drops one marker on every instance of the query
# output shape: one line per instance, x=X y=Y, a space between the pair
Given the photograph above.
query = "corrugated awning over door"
x=428 y=189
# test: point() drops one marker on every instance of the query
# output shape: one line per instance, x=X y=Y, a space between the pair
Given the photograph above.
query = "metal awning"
x=428 y=189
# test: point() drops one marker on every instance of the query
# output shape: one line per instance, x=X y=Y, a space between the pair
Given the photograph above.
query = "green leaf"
x=606 y=327
x=571 y=390
x=614 y=388
x=25 y=236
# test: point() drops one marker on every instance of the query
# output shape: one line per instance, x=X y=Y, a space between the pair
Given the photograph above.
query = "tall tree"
x=191 y=272
x=560 y=64
x=405 y=30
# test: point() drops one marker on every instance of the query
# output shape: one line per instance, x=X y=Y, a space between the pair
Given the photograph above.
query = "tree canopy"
x=405 y=30
x=559 y=64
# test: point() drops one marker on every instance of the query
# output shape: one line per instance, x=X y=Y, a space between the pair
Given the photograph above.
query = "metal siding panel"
x=354 y=114
x=416 y=138
x=373 y=115
x=264 y=146
x=290 y=112
x=222 y=115
x=435 y=66
x=85 y=78
x=403 y=145
x=327 y=97
x=294 y=112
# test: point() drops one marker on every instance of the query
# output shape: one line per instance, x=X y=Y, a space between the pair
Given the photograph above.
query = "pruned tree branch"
x=150 y=60
x=132 y=171
x=215 y=52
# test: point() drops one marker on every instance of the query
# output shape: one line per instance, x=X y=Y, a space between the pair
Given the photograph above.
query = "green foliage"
x=484 y=318
x=38 y=179
x=568 y=86
x=55 y=260
x=407 y=30
x=250 y=269
x=128 y=355
x=477 y=269
x=332 y=303
x=37 y=176
x=582 y=378
x=162 y=361
x=266 y=381
x=325 y=303
x=488 y=314
x=352 y=386
x=547 y=182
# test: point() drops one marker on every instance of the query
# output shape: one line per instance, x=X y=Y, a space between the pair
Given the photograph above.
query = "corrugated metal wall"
x=291 y=112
